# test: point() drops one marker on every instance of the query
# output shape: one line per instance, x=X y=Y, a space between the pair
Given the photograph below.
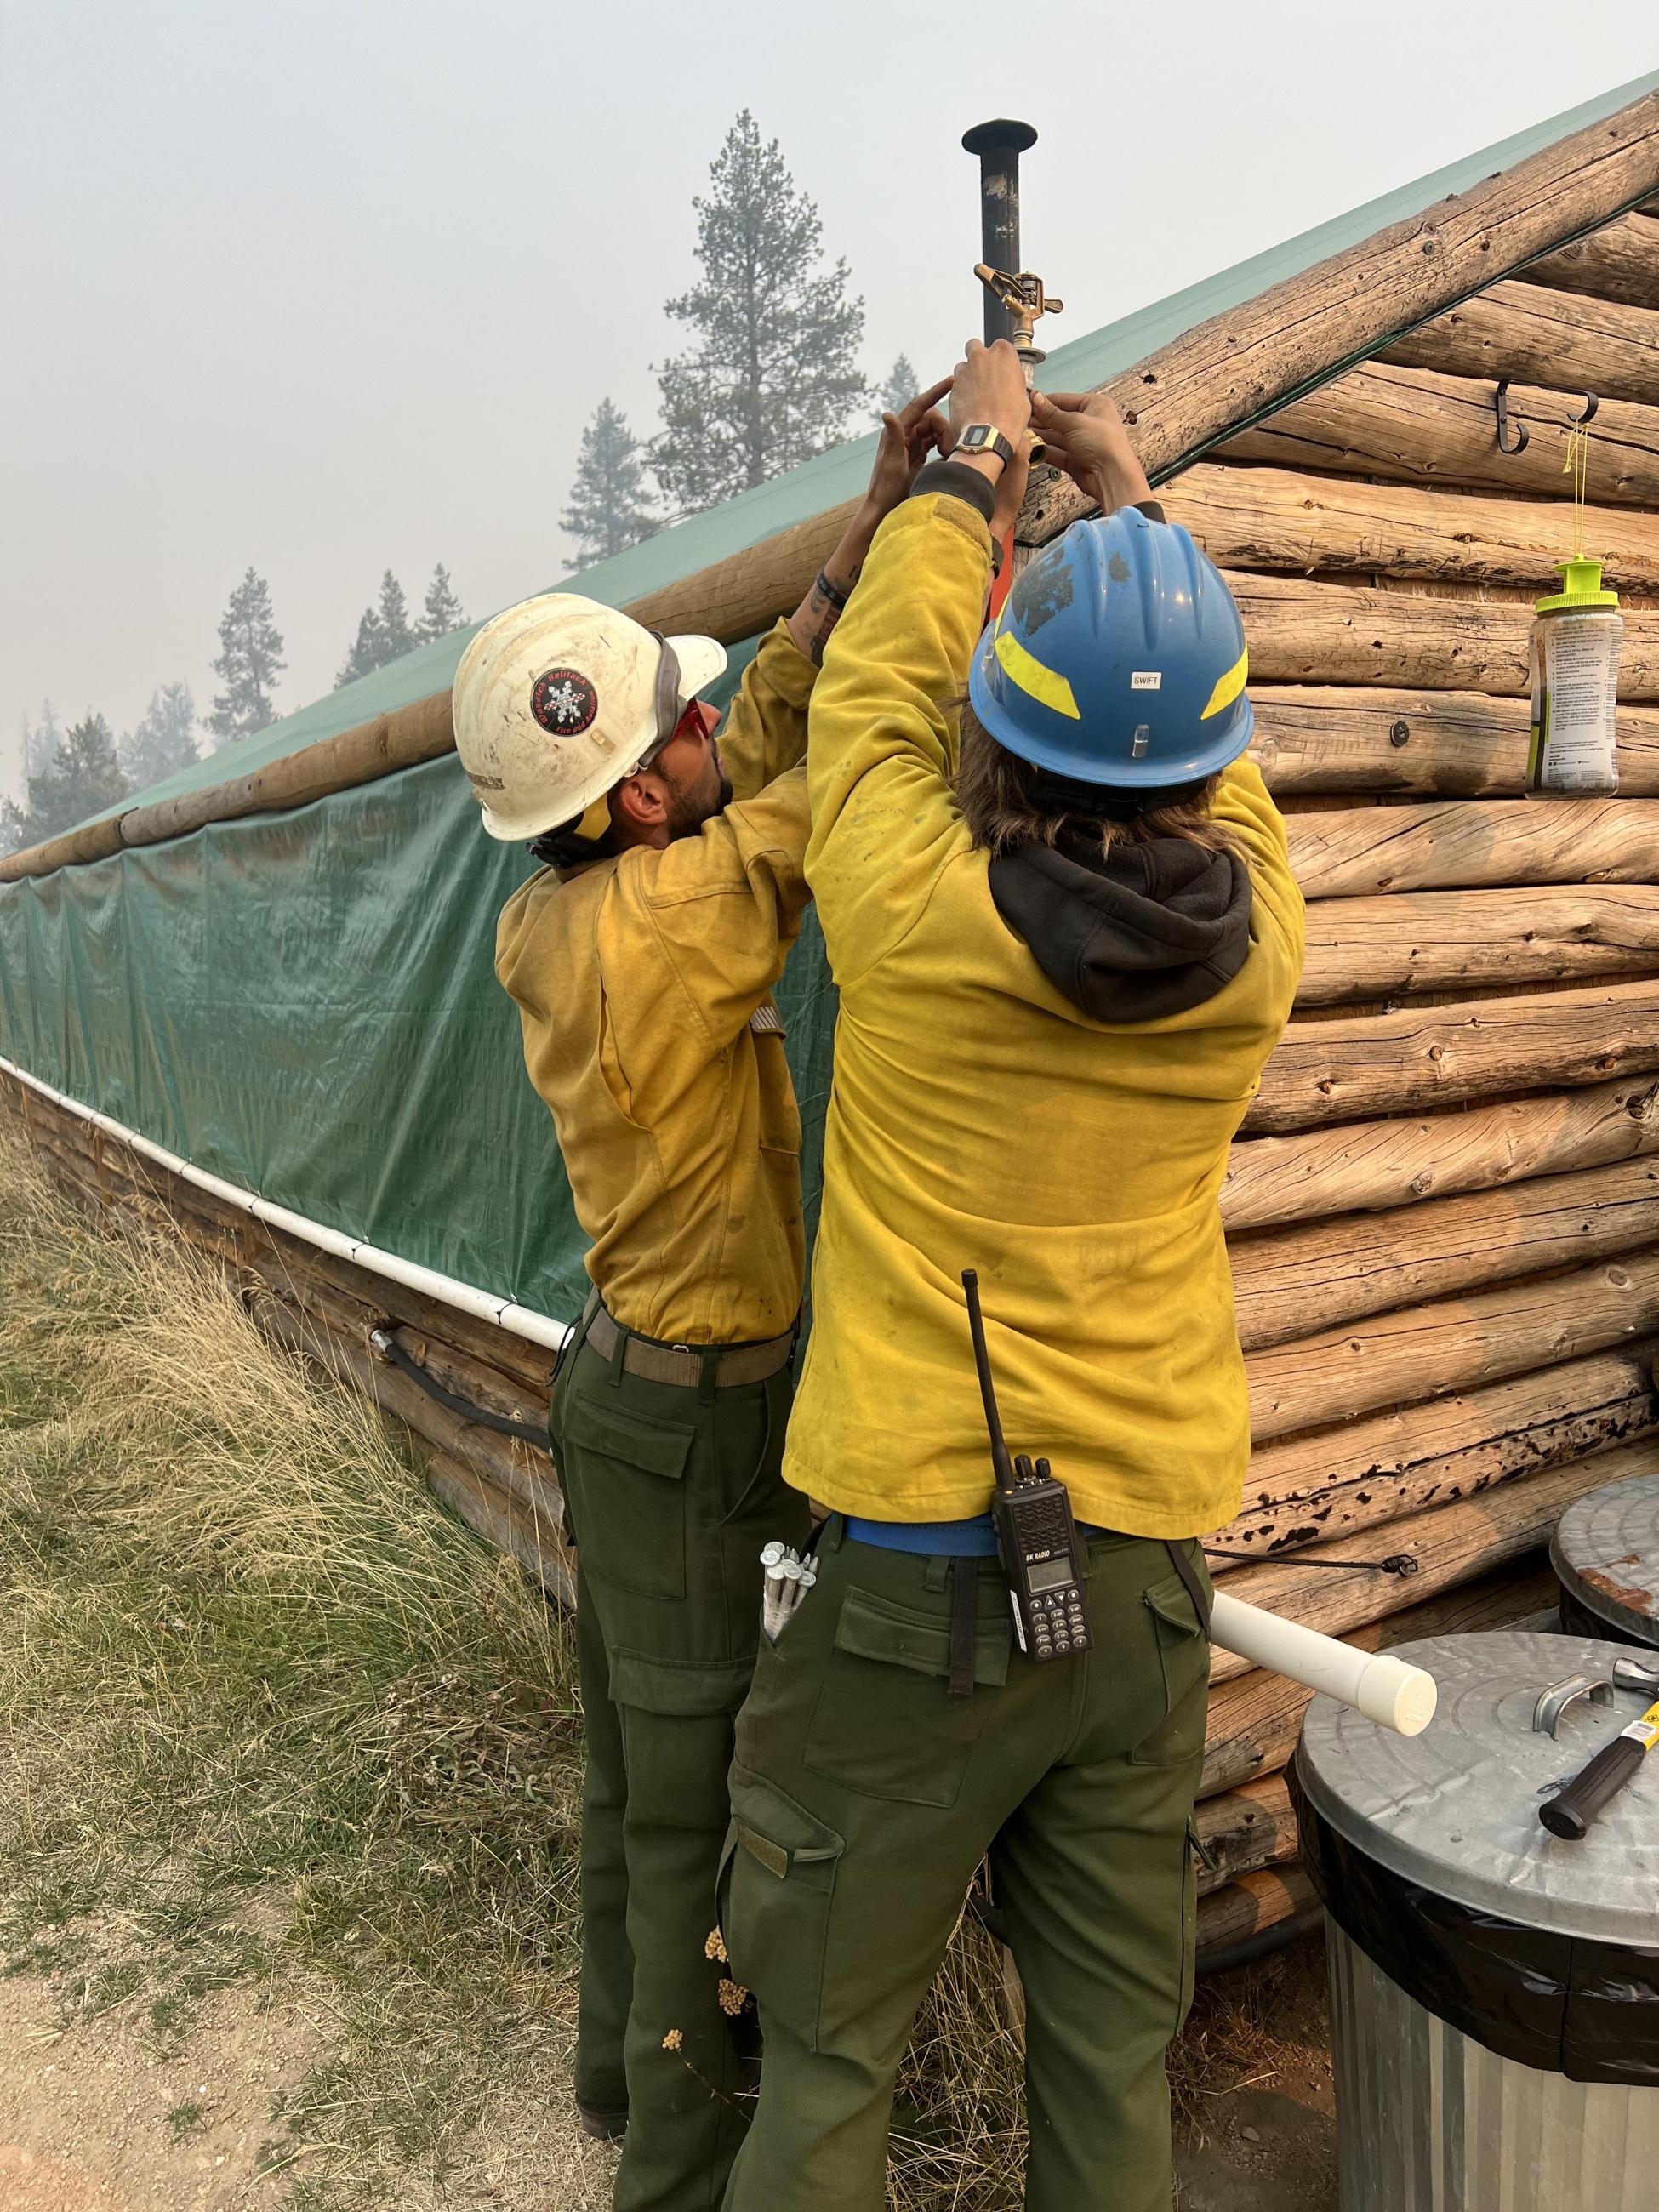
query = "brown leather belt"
x=683 y=1364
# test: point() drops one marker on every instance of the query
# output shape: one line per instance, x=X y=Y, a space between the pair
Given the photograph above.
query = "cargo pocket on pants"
x=1183 y=1655
x=627 y=1474
x=777 y=1883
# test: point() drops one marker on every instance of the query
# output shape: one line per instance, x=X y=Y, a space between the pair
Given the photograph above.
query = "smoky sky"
x=332 y=288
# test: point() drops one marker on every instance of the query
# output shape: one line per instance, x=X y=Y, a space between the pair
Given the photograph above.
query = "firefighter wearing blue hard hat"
x=1062 y=921
x=1118 y=660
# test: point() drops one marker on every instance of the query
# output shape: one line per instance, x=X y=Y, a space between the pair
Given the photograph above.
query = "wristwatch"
x=980 y=438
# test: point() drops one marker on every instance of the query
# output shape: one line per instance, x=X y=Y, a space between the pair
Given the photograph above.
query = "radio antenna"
x=1001 y=1462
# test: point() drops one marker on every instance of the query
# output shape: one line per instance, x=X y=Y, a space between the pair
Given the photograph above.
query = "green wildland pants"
x=865 y=1796
x=670 y=1494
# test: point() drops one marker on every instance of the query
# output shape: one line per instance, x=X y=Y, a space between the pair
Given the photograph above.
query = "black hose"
x=1397 y=1563
x=1261 y=1942
x=389 y=1348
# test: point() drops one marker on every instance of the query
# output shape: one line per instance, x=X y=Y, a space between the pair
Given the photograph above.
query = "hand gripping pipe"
x=1391 y=1691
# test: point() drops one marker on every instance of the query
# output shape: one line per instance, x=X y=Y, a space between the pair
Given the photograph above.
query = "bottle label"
x=1574 y=710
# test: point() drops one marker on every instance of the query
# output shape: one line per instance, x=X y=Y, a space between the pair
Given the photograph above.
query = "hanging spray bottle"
x=1576 y=645
x=1576 y=640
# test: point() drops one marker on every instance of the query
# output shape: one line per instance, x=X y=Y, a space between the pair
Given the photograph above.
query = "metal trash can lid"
x=1606 y=1552
x=1456 y=1809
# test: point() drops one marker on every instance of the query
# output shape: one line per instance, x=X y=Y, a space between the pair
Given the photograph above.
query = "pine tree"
x=442 y=611
x=367 y=654
x=609 y=508
x=165 y=740
x=82 y=780
x=772 y=380
x=397 y=638
x=250 y=661
x=899 y=389
x=383 y=632
x=41 y=742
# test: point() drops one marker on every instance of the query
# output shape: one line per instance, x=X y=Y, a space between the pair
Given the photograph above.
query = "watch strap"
x=983 y=438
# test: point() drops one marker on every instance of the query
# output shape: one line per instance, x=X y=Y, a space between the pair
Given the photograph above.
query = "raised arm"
x=882 y=753
x=765 y=732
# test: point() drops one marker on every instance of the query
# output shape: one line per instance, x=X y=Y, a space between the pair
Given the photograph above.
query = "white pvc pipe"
x=1399 y=1696
x=464 y=1297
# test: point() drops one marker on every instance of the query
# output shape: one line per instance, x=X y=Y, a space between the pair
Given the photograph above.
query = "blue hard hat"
x=1118 y=658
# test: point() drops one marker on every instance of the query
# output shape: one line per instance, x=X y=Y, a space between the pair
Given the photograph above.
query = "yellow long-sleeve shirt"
x=980 y=1119
x=644 y=987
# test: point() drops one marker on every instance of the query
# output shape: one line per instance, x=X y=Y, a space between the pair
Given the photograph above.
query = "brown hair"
x=1006 y=802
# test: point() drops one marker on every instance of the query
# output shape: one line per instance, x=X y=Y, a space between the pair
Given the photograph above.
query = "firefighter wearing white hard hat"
x=643 y=960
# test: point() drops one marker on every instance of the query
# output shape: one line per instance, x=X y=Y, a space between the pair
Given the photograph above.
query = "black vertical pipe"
x=998 y=145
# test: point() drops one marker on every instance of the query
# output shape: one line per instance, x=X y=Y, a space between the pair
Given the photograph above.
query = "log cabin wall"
x=1443 y=1208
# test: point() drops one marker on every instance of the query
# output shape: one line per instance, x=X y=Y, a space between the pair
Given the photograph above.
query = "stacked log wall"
x=1443 y=1209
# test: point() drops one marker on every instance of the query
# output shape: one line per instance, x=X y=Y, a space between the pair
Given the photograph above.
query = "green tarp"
x=304 y=1003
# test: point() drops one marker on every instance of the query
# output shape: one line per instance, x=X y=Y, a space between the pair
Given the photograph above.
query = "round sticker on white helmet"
x=564 y=701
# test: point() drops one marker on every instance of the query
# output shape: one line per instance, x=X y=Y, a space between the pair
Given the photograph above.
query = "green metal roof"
x=842 y=473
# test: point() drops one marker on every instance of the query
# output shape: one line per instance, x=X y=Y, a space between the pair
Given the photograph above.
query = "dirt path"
x=1260 y=2135
x=92 y=2122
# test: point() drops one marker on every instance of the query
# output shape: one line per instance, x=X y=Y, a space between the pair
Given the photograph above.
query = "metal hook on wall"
x=1500 y=407
x=1591 y=402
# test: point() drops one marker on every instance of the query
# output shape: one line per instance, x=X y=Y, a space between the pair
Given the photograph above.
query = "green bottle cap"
x=1581 y=587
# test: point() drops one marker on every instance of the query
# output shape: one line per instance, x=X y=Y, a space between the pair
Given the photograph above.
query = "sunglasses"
x=672 y=709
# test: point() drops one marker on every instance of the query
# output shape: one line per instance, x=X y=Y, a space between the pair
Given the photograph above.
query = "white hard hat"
x=559 y=699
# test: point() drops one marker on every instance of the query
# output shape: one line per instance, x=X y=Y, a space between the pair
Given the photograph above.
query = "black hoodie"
x=1138 y=932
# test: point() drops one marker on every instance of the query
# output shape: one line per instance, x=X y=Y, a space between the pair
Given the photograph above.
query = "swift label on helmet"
x=564 y=703
x=1117 y=660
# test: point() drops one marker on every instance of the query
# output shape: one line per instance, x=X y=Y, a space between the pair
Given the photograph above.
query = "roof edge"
x=1218 y=378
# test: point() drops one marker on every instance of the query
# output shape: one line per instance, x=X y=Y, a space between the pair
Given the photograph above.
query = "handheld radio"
x=1036 y=1537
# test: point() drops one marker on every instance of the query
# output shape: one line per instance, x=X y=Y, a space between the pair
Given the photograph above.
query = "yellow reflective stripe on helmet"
x=1229 y=686
x=1044 y=685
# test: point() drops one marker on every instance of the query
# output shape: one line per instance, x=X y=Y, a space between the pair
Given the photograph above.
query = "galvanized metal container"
x=1606 y=1557
x=1494 y=1989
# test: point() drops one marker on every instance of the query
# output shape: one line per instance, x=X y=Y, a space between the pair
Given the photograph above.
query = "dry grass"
x=267 y=1714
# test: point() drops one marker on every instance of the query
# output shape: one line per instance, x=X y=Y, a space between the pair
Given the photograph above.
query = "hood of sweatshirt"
x=1133 y=934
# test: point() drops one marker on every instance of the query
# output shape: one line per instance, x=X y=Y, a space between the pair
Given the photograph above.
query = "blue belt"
x=951 y=1539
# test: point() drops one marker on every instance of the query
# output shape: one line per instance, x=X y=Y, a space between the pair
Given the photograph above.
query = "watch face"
x=979 y=435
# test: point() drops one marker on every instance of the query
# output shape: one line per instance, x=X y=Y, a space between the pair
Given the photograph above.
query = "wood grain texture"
x=1415 y=941
x=1244 y=1830
x=1357 y=1068
x=1429 y=743
x=1289 y=521
x=1291 y=1282
x=1389 y=1466
x=1620 y=262
x=1422 y=1352
x=1303 y=632
x=1383 y=1164
x=1562 y=340
x=1413 y=426
x=1250 y=1907
x=1473 y=844
x=1453 y=1545
x=1255 y=1718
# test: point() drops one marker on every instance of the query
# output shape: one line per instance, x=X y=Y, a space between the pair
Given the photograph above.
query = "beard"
x=692 y=804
